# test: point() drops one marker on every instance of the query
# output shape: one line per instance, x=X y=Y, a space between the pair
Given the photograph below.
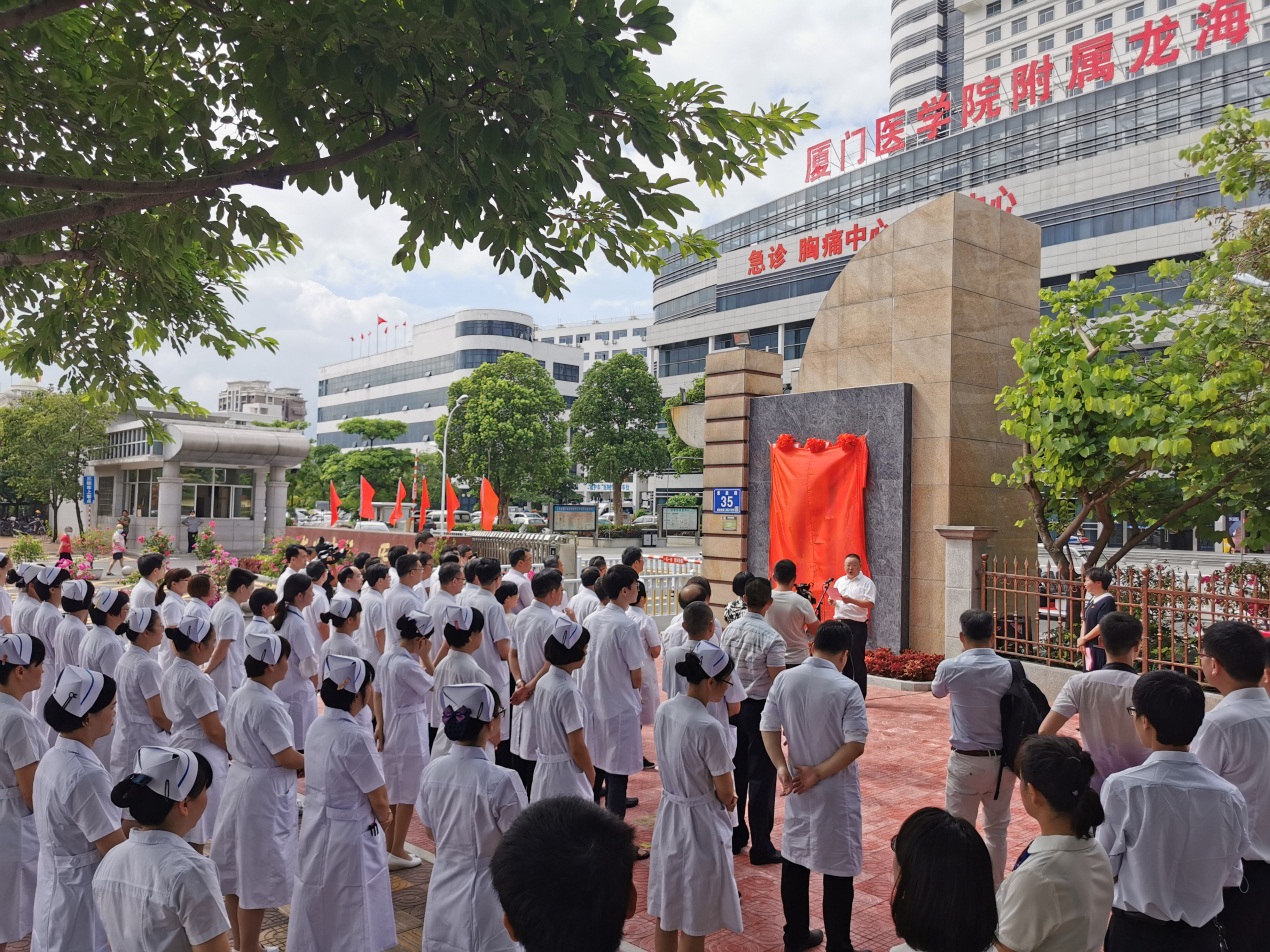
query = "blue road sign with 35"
x=727 y=502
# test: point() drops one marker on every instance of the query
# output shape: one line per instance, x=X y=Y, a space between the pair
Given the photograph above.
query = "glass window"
x=796 y=339
x=601 y=355
x=471 y=359
x=1170 y=4
x=602 y=335
x=994 y=8
x=640 y=351
x=724 y=342
x=993 y=35
x=641 y=332
x=583 y=338
x=688 y=357
x=992 y=62
x=1135 y=12
x=1018 y=53
x=1045 y=43
x=1018 y=26
x=1075 y=6
x=566 y=372
x=618 y=335
x=1045 y=16
x=494 y=329
x=586 y=356
x=567 y=340
x=1103 y=23
x=1074 y=33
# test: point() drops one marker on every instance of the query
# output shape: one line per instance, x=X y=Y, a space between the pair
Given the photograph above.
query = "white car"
x=372 y=525
x=528 y=519
x=645 y=522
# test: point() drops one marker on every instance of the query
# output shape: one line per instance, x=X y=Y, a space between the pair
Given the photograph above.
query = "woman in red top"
x=64 y=546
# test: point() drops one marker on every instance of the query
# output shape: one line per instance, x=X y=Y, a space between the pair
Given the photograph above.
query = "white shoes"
x=397 y=862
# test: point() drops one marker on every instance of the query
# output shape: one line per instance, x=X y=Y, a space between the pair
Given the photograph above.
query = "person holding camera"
x=792 y=614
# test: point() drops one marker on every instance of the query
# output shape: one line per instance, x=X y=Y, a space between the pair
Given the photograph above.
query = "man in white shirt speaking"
x=854 y=595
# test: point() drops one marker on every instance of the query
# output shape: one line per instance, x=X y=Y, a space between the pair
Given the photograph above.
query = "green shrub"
x=26 y=548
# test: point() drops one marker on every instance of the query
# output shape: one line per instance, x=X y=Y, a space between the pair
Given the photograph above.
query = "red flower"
x=785 y=443
x=817 y=445
x=847 y=441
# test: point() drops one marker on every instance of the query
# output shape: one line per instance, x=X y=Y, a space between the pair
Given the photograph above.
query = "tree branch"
x=9 y=259
x=37 y=10
x=1135 y=539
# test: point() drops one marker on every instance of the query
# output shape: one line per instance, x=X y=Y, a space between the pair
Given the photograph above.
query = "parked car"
x=645 y=522
x=372 y=525
x=528 y=519
x=436 y=517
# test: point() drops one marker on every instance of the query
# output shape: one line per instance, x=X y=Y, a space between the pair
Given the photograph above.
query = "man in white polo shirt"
x=854 y=595
x=791 y=615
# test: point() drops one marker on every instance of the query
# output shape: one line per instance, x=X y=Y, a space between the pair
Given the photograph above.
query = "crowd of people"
x=150 y=764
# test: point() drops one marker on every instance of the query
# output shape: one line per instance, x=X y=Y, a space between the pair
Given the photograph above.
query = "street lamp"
x=1252 y=281
x=445 y=448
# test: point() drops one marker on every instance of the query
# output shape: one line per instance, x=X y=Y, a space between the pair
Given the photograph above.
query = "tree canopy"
x=614 y=423
x=130 y=134
x=306 y=486
x=371 y=429
x=382 y=466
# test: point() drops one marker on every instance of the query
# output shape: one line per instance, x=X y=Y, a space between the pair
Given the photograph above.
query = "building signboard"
x=680 y=518
x=90 y=490
x=574 y=518
x=726 y=502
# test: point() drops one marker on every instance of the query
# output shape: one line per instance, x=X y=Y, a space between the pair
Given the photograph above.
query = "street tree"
x=614 y=423
x=371 y=429
x=510 y=431
x=306 y=485
x=47 y=440
x=684 y=458
x=135 y=133
x=382 y=466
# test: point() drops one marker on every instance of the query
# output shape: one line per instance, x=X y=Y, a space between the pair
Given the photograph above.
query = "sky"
x=831 y=54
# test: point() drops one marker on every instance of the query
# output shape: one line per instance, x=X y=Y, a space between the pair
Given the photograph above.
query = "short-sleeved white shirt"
x=790 y=614
x=1102 y=699
x=860 y=587
x=22 y=740
x=1234 y=743
x=1059 y=899
x=257 y=726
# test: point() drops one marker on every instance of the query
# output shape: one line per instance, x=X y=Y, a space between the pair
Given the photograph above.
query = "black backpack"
x=1023 y=707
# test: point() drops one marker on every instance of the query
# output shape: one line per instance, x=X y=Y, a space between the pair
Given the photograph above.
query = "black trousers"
x=525 y=768
x=192 y=536
x=503 y=754
x=1131 y=932
x=836 y=908
x=859 y=640
x=755 y=778
x=611 y=789
x=1246 y=918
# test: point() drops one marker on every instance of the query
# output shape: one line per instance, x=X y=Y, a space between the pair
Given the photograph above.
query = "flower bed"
x=908 y=665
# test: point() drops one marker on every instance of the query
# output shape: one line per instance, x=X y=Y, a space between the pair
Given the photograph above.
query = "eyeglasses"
x=725 y=681
x=1133 y=711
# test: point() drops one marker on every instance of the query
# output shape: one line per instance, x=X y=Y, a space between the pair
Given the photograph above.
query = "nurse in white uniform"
x=77 y=596
x=255 y=844
x=74 y=818
x=26 y=603
x=22 y=744
x=463 y=629
x=195 y=706
x=154 y=893
x=102 y=648
x=405 y=679
x=140 y=720
x=319 y=629
x=298 y=687
x=691 y=884
x=466 y=805
x=44 y=622
x=564 y=763
x=169 y=598
x=226 y=665
x=343 y=895
x=649 y=693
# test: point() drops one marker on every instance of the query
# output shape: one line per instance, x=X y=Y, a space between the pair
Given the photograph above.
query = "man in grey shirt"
x=192 y=524
x=791 y=615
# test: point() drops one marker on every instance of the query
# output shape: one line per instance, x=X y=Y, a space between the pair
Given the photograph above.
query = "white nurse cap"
x=104 y=599
x=713 y=658
x=29 y=572
x=264 y=646
x=78 y=689
x=194 y=627
x=75 y=589
x=467 y=700
x=348 y=674
x=460 y=616
x=168 y=771
x=422 y=621
x=48 y=574
x=566 y=631
x=16 y=649
x=341 y=606
x=139 y=619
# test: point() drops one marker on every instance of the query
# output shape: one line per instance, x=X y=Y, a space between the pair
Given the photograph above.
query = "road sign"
x=90 y=490
x=726 y=502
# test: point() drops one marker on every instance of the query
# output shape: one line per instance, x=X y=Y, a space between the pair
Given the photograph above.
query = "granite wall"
x=884 y=413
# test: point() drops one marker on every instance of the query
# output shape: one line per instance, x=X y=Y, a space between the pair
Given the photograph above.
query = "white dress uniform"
x=6 y=607
x=143 y=594
x=404 y=690
x=196 y=608
x=649 y=692
x=296 y=689
x=138 y=678
x=820 y=710
x=171 y=611
x=437 y=606
x=255 y=846
x=532 y=629
x=72 y=812
x=156 y=894
x=468 y=803
x=70 y=635
x=341 y=644
x=399 y=601
x=101 y=650
x=45 y=621
x=558 y=711
x=456 y=668
x=22 y=743
x=313 y=614
x=372 y=621
x=188 y=694
x=24 y=607
x=613 y=705
x=227 y=620
x=497 y=631
x=674 y=684
x=691 y=884
x=585 y=604
x=343 y=896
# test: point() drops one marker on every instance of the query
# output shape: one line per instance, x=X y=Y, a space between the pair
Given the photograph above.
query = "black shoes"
x=649 y=765
x=814 y=938
x=767 y=859
x=632 y=803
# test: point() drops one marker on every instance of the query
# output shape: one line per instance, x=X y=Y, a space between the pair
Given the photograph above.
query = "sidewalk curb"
x=895 y=684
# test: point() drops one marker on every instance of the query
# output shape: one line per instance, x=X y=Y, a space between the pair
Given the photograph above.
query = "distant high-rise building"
x=258 y=398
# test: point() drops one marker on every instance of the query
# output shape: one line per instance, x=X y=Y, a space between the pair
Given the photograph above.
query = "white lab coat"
x=468 y=803
x=143 y=594
x=343 y=896
x=72 y=812
x=227 y=620
x=296 y=689
x=138 y=678
x=456 y=668
x=819 y=710
x=255 y=844
x=649 y=692
x=22 y=743
x=558 y=711
x=188 y=694
x=613 y=705
x=156 y=894
x=585 y=604
x=404 y=688
x=101 y=650
x=533 y=627
x=497 y=632
x=45 y=621
x=399 y=601
x=691 y=883
x=372 y=621
x=675 y=684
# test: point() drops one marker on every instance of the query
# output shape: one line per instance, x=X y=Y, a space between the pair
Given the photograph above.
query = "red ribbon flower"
x=847 y=441
x=817 y=445
x=785 y=443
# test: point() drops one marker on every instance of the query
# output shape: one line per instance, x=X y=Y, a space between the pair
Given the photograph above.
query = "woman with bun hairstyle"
x=466 y=804
x=463 y=629
x=100 y=648
x=141 y=720
x=298 y=687
x=76 y=822
x=1058 y=898
x=77 y=598
x=195 y=706
x=6 y=604
x=564 y=767
x=343 y=896
x=169 y=598
x=23 y=741
x=401 y=709
x=154 y=893
x=255 y=844
x=342 y=617
x=691 y=885
x=44 y=622
x=25 y=605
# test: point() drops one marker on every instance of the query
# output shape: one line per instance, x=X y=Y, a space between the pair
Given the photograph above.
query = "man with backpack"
x=982 y=719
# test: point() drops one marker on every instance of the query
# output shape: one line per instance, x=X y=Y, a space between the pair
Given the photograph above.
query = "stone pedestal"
x=963 y=547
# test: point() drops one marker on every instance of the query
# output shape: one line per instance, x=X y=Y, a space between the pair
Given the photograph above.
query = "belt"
x=257 y=771
x=976 y=753
x=75 y=860
x=412 y=709
x=1176 y=925
x=555 y=759
x=688 y=801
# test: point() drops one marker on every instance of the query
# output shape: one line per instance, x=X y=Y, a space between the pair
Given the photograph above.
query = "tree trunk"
x=79 y=516
x=52 y=521
x=617 y=501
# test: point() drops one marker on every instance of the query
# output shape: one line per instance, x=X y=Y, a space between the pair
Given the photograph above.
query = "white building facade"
x=258 y=399
x=601 y=339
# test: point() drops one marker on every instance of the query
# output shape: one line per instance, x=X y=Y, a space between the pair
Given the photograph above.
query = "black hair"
x=394 y=553
x=557 y=654
x=599 y=562
x=375 y=574
x=554 y=846
x=1172 y=703
x=149 y=808
x=703 y=583
x=448 y=572
x=545 y=582
x=45 y=592
x=691 y=669
x=200 y=586
x=833 y=637
x=332 y=696
x=617 y=578
x=148 y=563
x=469 y=570
x=1239 y=647
x=852 y=555
x=632 y=554
x=422 y=537
x=692 y=592
x=758 y=593
x=37 y=658
x=697 y=620
x=406 y=563
x=1062 y=772
x=131 y=635
x=316 y=569
x=58 y=718
x=73 y=605
x=551 y=562
x=977 y=625
x=170 y=578
x=1101 y=576
x=297 y=584
x=16 y=580
x=785 y=571
x=943 y=899
x=331 y=618
x=261 y=599
x=590 y=575
x=1120 y=632
x=505 y=591
x=464 y=550
x=641 y=591
x=516 y=555
x=255 y=667
x=293 y=552
x=468 y=729
x=739 y=581
x=182 y=644
x=447 y=549
x=408 y=629
x=360 y=559
x=449 y=558
x=346 y=573
x=120 y=608
x=237 y=578
x=487 y=570
x=458 y=637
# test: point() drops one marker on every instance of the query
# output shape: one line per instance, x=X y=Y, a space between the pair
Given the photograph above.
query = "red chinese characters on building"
x=756 y=263
x=980 y=101
x=1222 y=20
x=776 y=256
x=848 y=152
x=934 y=115
x=831 y=244
x=815 y=247
x=890 y=134
x=818 y=160
x=1153 y=44
x=1004 y=199
x=808 y=248
x=1091 y=61
x=1030 y=83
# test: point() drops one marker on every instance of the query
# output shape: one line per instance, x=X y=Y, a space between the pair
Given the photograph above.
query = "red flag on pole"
x=489 y=505
x=368 y=499
x=401 y=497
x=424 y=502
x=451 y=504
x=380 y=319
x=335 y=504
